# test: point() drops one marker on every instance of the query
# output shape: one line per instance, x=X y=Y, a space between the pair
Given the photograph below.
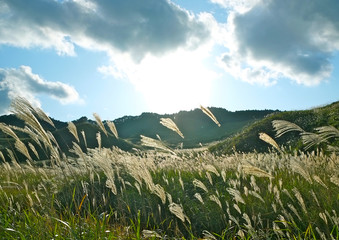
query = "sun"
x=179 y=81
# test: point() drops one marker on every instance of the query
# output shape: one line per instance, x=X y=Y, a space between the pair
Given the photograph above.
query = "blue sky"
x=124 y=57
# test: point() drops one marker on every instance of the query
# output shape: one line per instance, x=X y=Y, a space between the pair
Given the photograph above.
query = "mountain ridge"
x=196 y=127
x=248 y=139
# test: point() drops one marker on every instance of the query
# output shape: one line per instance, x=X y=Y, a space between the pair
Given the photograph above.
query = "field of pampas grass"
x=163 y=193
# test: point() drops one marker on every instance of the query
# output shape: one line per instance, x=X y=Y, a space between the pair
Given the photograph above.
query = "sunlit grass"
x=166 y=194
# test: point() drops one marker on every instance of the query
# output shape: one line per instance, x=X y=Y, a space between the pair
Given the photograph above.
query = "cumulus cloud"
x=173 y=82
x=129 y=26
x=268 y=40
x=22 y=82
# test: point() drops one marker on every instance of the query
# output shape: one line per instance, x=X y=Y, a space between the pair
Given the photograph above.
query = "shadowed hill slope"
x=195 y=126
x=248 y=140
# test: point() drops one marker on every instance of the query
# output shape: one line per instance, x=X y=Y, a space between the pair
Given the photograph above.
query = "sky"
x=73 y=58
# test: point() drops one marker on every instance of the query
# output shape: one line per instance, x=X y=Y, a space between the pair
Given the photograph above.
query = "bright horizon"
x=116 y=58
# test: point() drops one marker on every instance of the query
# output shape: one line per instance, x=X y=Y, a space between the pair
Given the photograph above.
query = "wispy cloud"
x=134 y=27
x=22 y=82
x=268 y=40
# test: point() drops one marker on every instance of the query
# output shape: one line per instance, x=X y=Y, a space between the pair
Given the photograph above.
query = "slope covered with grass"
x=247 y=140
x=108 y=193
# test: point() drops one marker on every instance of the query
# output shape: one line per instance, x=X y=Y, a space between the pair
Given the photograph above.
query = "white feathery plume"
x=216 y=200
x=73 y=130
x=21 y=147
x=200 y=184
x=2 y=156
x=198 y=196
x=99 y=122
x=281 y=127
x=177 y=210
x=310 y=139
x=210 y=114
x=327 y=132
x=150 y=234
x=98 y=137
x=33 y=149
x=150 y=142
x=266 y=138
x=7 y=130
x=84 y=137
x=113 y=129
x=252 y=170
x=167 y=122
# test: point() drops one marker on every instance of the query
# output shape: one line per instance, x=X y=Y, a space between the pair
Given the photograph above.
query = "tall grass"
x=164 y=194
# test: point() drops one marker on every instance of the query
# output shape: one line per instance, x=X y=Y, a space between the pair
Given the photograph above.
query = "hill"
x=61 y=134
x=248 y=140
x=195 y=125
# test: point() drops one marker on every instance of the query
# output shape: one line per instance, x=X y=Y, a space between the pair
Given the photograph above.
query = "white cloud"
x=173 y=82
x=22 y=82
x=156 y=45
x=236 y=5
x=134 y=27
x=274 y=39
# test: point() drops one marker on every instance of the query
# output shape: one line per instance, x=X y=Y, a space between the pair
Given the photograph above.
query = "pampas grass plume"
x=210 y=115
x=99 y=122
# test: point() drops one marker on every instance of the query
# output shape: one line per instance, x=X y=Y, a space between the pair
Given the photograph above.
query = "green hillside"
x=195 y=126
x=62 y=135
x=248 y=140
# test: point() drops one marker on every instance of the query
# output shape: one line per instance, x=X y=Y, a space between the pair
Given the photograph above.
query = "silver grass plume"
x=198 y=196
x=266 y=138
x=98 y=137
x=335 y=180
x=236 y=207
x=310 y=139
x=23 y=110
x=150 y=142
x=167 y=122
x=7 y=130
x=2 y=156
x=208 y=236
x=200 y=184
x=73 y=130
x=298 y=168
x=210 y=114
x=333 y=149
x=216 y=200
x=42 y=115
x=150 y=234
x=211 y=168
x=300 y=199
x=160 y=192
x=113 y=129
x=99 y=122
x=84 y=137
x=252 y=170
x=209 y=177
x=12 y=157
x=327 y=132
x=294 y=210
x=33 y=149
x=38 y=112
x=177 y=210
x=255 y=194
x=281 y=127
x=236 y=195
x=21 y=147
x=318 y=180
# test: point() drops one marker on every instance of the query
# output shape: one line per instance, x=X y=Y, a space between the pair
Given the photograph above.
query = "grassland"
x=107 y=193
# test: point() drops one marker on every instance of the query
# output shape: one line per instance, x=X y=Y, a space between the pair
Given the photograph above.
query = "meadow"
x=161 y=193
